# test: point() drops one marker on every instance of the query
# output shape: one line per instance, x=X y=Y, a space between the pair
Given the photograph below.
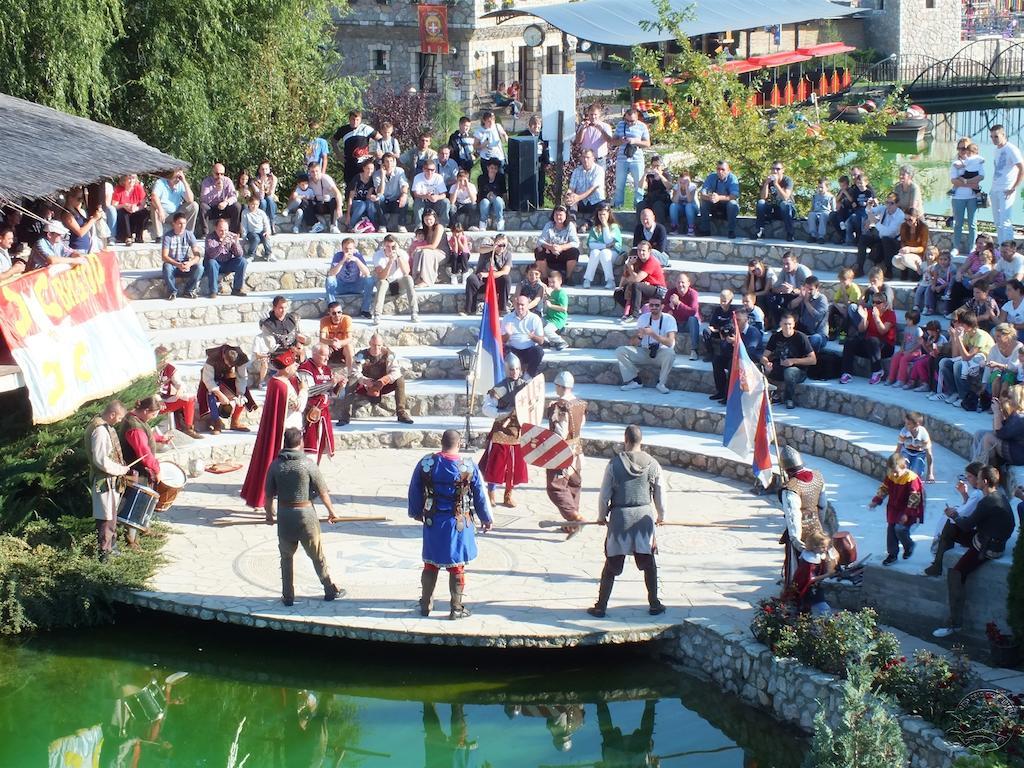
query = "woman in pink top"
x=130 y=200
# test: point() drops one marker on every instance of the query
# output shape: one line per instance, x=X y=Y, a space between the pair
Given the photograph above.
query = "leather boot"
x=428 y=580
x=490 y=497
x=458 y=610
x=332 y=591
x=655 y=606
x=238 y=426
x=216 y=425
x=604 y=591
x=508 y=500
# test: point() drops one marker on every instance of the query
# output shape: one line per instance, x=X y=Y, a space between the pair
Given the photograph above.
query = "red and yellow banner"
x=73 y=335
x=433 y=28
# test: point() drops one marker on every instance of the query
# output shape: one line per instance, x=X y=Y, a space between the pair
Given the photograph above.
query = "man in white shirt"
x=429 y=191
x=1009 y=266
x=948 y=533
x=1009 y=173
x=447 y=168
x=392 y=266
x=326 y=201
x=586 y=186
x=489 y=139
x=653 y=344
x=522 y=333
x=172 y=194
x=881 y=235
x=392 y=190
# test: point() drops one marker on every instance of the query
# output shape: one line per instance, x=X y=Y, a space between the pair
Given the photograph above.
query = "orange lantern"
x=775 y=100
x=787 y=93
x=823 y=85
x=835 y=81
x=635 y=82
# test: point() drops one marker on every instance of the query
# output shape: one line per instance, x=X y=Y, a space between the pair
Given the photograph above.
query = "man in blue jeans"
x=224 y=256
x=349 y=274
x=776 y=202
x=631 y=136
x=718 y=197
x=179 y=253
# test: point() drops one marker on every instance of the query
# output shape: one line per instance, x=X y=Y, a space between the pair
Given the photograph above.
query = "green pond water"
x=117 y=696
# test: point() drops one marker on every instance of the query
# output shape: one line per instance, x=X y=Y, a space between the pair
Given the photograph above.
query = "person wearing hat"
x=445 y=493
x=107 y=474
x=51 y=248
x=631 y=506
x=170 y=388
x=224 y=388
x=284 y=405
x=376 y=372
x=502 y=462
x=497 y=255
x=293 y=480
x=566 y=416
x=802 y=496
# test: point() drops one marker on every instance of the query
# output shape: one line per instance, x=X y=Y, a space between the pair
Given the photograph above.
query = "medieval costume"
x=283 y=408
x=277 y=335
x=803 y=501
x=139 y=443
x=452 y=750
x=107 y=469
x=502 y=462
x=169 y=387
x=445 y=492
x=631 y=494
x=224 y=373
x=904 y=509
x=317 y=435
x=379 y=374
x=566 y=416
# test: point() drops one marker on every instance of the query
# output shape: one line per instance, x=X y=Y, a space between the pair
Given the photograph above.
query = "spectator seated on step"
x=1009 y=266
x=914 y=239
x=392 y=266
x=132 y=214
x=522 y=333
x=280 y=331
x=880 y=236
x=555 y=311
x=776 y=201
x=684 y=204
x=719 y=325
x=755 y=314
x=844 y=208
x=788 y=356
x=604 y=240
x=414 y=158
x=845 y=297
x=299 y=200
x=648 y=228
x=759 y=281
x=1012 y=311
x=642 y=279
x=586 y=189
x=462 y=198
x=654 y=343
x=349 y=274
x=336 y=333
x=753 y=340
x=863 y=197
x=219 y=200
x=907 y=191
x=324 y=209
x=392 y=187
x=363 y=200
x=823 y=205
x=533 y=288
x=497 y=255
x=656 y=186
x=11 y=264
x=983 y=306
x=785 y=290
x=430 y=193
x=875 y=339
x=172 y=194
x=446 y=165
x=1003 y=445
x=719 y=199
x=811 y=310
x=683 y=302
x=491 y=190
x=50 y=249
x=256 y=230
x=181 y=257
x=961 y=373
x=223 y=255
x=378 y=372
x=558 y=246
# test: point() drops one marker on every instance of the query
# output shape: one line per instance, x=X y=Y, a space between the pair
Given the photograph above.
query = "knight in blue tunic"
x=445 y=493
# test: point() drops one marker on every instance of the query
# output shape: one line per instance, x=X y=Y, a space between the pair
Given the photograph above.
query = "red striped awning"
x=780 y=59
x=826 y=49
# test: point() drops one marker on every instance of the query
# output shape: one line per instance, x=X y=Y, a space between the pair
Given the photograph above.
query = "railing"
x=976 y=65
x=991 y=23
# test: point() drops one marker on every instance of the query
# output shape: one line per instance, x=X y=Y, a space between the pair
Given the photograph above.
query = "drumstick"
x=577 y=523
x=224 y=521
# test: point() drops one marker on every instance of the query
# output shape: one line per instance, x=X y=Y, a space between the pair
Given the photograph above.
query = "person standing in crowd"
x=594 y=134
x=323 y=385
x=489 y=141
x=566 y=416
x=631 y=137
x=1006 y=178
x=138 y=443
x=376 y=372
x=462 y=144
x=988 y=528
x=966 y=173
x=533 y=127
x=631 y=496
x=352 y=142
x=803 y=500
x=292 y=479
x=653 y=344
x=107 y=469
x=445 y=493
x=169 y=387
x=502 y=461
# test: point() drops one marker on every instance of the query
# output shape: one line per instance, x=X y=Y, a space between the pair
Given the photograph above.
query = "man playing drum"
x=107 y=469
x=138 y=444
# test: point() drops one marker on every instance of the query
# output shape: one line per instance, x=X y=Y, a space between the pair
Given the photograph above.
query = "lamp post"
x=467 y=359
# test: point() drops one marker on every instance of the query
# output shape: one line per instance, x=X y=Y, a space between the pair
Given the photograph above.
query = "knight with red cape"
x=283 y=408
x=322 y=384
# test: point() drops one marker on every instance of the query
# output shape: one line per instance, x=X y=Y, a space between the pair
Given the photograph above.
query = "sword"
x=577 y=523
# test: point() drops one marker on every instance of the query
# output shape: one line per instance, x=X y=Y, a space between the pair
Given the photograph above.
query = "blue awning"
x=618 y=22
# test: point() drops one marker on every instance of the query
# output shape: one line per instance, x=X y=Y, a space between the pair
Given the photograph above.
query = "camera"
x=652 y=350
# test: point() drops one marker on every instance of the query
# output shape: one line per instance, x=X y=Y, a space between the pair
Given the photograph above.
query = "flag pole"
x=775 y=432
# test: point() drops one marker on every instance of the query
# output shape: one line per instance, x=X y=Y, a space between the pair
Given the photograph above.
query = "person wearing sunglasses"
x=776 y=202
x=965 y=176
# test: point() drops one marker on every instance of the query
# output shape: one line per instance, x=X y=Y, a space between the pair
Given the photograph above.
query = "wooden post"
x=559 y=159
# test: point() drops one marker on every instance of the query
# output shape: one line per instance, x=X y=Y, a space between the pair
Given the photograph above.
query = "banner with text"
x=73 y=334
x=433 y=29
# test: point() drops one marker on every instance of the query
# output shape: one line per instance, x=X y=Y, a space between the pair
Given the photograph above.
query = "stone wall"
x=926 y=28
x=785 y=688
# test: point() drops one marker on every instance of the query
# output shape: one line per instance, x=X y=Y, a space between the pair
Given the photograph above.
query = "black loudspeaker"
x=521 y=173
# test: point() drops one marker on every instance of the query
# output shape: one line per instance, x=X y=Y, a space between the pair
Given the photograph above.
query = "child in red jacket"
x=904 y=509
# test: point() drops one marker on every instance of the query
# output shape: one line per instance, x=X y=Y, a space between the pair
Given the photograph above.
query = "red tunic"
x=269 y=439
x=906 y=497
x=318 y=437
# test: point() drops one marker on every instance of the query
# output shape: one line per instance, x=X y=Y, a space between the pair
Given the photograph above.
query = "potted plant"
x=1005 y=648
x=489 y=5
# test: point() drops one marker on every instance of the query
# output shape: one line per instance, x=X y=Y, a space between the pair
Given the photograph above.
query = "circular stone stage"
x=529 y=587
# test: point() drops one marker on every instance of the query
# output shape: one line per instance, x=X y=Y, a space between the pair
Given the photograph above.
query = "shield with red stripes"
x=543 y=448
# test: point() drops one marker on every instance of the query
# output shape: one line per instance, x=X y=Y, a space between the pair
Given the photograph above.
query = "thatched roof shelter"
x=44 y=151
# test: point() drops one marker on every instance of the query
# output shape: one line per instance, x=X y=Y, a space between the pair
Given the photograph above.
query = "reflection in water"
x=70 y=702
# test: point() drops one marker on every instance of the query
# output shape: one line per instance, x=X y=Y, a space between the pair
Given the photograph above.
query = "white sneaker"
x=453 y=279
x=335 y=230
x=956 y=402
x=402 y=230
x=661 y=388
x=382 y=230
x=272 y=256
x=317 y=228
x=952 y=397
x=501 y=225
x=483 y=226
x=935 y=397
x=945 y=631
x=295 y=229
x=631 y=385
x=586 y=284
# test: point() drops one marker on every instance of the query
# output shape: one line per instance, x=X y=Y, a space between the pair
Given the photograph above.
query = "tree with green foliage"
x=711 y=114
x=867 y=736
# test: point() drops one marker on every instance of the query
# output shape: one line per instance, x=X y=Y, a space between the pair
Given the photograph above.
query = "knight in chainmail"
x=631 y=506
x=803 y=500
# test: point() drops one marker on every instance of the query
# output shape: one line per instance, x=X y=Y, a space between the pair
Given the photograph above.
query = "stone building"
x=380 y=40
x=927 y=28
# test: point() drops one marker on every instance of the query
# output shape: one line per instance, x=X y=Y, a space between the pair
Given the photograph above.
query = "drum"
x=137 y=506
x=172 y=480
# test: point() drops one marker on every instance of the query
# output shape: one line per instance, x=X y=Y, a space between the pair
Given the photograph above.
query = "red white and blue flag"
x=490 y=353
x=748 y=413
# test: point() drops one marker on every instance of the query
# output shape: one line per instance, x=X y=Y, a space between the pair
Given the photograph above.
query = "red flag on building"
x=433 y=28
